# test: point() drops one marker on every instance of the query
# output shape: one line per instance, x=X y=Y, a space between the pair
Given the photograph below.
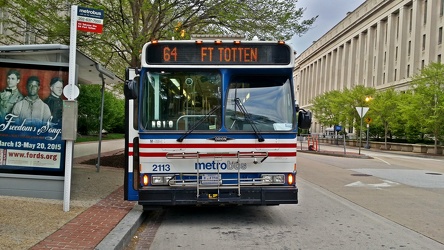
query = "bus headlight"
x=278 y=179
x=157 y=180
x=160 y=180
x=267 y=179
x=273 y=178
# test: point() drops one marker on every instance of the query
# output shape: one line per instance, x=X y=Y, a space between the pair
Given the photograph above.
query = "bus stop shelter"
x=35 y=59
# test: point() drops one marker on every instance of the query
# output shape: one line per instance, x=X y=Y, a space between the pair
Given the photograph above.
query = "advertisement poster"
x=31 y=102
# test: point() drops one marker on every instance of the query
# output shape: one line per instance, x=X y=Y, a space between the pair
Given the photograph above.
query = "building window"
x=425 y=11
x=385 y=57
x=396 y=53
x=439 y=58
x=411 y=20
x=441 y=8
x=409 y=48
x=423 y=42
x=408 y=70
x=3 y=17
x=422 y=64
x=440 y=35
x=29 y=37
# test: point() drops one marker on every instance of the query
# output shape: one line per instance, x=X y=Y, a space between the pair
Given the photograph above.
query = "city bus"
x=212 y=122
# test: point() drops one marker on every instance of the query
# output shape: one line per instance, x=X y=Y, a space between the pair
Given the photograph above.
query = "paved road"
x=323 y=220
x=405 y=189
x=345 y=203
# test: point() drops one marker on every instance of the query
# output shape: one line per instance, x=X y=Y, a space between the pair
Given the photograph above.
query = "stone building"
x=381 y=44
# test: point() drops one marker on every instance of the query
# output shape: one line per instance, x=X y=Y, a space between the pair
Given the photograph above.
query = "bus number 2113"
x=161 y=167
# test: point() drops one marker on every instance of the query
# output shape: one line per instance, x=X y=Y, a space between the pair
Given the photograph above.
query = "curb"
x=337 y=154
x=79 y=159
x=121 y=235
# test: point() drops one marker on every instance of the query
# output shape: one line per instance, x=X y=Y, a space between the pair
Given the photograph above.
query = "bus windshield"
x=262 y=102
x=177 y=100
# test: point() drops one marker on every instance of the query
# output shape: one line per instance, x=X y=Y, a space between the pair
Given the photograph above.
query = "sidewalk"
x=355 y=152
x=99 y=218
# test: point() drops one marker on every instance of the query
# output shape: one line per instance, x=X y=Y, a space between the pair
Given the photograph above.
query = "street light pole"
x=367 y=146
x=360 y=130
x=361 y=110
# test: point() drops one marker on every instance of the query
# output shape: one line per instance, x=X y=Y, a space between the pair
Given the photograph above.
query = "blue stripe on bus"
x=133 y=195
x=198 y=135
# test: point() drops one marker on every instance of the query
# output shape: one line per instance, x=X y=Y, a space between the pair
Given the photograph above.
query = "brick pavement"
x=89 y=228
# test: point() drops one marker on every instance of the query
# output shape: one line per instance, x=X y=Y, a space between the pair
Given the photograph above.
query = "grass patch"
x=87 y=138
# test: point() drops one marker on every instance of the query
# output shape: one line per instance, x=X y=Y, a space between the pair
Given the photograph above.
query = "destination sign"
x=222 y=54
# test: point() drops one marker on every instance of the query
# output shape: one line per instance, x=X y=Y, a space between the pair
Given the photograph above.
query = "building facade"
x=381 y=44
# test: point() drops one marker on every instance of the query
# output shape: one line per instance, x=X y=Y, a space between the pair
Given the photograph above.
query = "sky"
x=330 y=13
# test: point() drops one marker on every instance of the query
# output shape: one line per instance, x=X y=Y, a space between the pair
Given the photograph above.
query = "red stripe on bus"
x=221 y=145
x=270 y=154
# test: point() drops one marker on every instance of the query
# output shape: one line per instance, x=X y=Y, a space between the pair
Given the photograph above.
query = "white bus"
x=212 y=122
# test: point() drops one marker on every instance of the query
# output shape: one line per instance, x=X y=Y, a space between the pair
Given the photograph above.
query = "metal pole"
x=71 y=82
x=360 y=131
x=103 y=72
x=101 y=124
x=367 y=146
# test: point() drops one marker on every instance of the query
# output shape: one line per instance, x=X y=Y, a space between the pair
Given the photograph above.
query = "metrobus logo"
x=229 y=165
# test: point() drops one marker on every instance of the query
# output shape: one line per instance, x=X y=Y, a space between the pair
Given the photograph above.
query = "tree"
x=327 y=107
x=427 y=101
x=407 y=125
x=356 y=97
x=90 y=108
x=339 y=107
x=128 y=24
x=384 y=110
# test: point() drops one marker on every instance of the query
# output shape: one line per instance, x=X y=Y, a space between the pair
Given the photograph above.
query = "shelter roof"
x=58 y=54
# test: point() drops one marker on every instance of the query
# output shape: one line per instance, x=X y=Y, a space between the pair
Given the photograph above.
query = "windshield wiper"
x=248 y=118
x=198 y=123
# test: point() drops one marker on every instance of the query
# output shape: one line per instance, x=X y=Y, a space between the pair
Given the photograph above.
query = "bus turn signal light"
x=290 y=179
x=146 y=180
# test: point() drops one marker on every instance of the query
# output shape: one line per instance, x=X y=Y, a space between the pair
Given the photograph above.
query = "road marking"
x=411 y=177
x=394 y=155
x=377 y=158
x=384 y=184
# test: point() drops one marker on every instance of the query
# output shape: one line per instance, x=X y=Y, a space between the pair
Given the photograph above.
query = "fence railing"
x=392 y=146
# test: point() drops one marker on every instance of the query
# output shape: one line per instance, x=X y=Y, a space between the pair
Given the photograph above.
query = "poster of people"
x=31 y=102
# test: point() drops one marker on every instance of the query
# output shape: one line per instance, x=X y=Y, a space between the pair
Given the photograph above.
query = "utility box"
x=69 y=120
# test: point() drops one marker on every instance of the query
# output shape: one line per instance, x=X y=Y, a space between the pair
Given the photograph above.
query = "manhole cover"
x=361 y=174
x=434 y=173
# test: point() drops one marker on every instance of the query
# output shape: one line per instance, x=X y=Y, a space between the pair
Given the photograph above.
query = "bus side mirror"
x=296 y=106
x=304 y=119
x=131 y=88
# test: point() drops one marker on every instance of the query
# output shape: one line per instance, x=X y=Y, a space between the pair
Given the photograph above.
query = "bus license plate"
x=210 y=179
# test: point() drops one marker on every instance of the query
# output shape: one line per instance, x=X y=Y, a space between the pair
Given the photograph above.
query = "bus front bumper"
x=188 y=196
